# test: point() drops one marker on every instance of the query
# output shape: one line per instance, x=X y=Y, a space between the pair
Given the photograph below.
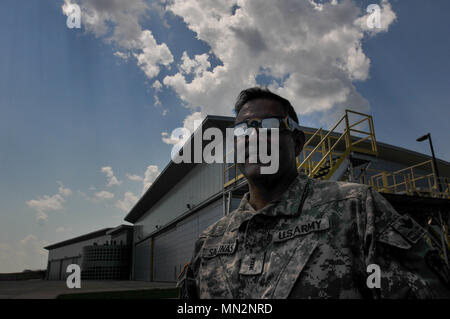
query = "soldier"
x=295 y=237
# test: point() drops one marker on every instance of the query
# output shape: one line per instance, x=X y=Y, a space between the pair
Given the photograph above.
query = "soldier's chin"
x=252 y=171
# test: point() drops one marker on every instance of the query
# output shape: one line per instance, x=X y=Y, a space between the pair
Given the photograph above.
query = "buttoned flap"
x=212 y=273
x=293 y=244
x=297 y=261
x=402 y=233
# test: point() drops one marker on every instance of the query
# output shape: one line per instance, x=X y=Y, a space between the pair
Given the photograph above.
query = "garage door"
x=175 y=247
x=65 y=264
x=141 y=265
x=53 y=273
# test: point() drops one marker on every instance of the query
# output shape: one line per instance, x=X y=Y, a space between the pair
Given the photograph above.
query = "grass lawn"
x=127 y=294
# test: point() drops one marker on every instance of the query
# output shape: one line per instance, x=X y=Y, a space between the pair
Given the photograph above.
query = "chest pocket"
x=291 y=255
x=213 y=280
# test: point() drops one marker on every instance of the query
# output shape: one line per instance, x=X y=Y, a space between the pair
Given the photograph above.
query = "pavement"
x=45 y=289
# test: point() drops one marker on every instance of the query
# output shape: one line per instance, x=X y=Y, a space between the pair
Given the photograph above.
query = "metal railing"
x=334 y=147
x=413 y=180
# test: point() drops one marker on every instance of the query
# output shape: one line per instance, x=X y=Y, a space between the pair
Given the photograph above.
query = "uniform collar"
x=287 y=204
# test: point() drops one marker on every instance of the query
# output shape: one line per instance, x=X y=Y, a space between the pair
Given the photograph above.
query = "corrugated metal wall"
x=175 y=247
x=67 y=255
x=65 y=263
x=204 y=181
x=75 y=249
x=142 y=255
x=54 y=271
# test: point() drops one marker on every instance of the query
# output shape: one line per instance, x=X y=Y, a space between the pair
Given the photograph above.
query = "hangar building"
x=188 y=197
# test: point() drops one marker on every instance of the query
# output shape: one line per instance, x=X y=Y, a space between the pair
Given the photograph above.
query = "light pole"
x=428 y=137
x=441 y=221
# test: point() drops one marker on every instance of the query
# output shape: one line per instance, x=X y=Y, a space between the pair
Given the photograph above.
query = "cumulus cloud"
x=197 y=65
x=111 y=179
x=190 y=124
x=127 y=202
x=119 y=22
x=63 y=191
x=27 y=253
x=135 y=178
x=157 y=88
x=153 y=55
x=387 y=17
x=62 y=229
x=150 y=175
x=102 y=195
x=48 y=203
x=312 y=52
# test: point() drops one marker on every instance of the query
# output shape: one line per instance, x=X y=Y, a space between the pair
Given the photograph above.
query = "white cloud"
x=27 y=253
x=63 y=191
x=196 y=66
x=135 y=178
x=102 y=195
x=153 y=55
x=62 y=229
x=111 y=179
x=48 y=203
x=127 y=202
x=191 y=123
x=150 y=175
x=157 y=86
x=118 y=23
x=387 y=17
x=312 y=51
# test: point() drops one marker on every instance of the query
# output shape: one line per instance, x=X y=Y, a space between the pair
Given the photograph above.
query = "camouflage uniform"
x=316 y=241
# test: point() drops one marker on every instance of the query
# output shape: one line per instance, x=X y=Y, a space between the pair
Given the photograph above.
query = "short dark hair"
x=263 y=93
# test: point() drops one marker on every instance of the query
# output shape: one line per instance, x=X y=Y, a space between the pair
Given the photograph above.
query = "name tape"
x=222 y=249
x=302 y=229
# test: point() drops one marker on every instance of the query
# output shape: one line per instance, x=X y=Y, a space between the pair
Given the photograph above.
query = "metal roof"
x=119 y=229
x=94 y=234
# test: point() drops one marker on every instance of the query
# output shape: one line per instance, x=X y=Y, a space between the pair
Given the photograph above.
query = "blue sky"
x=70 y=106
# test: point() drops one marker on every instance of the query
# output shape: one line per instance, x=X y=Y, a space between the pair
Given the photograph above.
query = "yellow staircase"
x=324 y=153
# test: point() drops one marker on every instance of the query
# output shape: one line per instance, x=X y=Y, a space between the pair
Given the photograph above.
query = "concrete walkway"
x=43 y=289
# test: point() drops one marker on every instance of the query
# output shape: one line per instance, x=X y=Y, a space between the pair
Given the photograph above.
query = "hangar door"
x=55 y=267
x=141 y=266
x=174 y=247
x=65 y=263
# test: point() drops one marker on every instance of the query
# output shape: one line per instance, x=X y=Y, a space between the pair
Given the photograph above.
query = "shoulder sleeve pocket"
x=403 y=232
x=391 y=237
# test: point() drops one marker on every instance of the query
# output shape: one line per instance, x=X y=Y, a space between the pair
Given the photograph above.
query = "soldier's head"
x=258 y=104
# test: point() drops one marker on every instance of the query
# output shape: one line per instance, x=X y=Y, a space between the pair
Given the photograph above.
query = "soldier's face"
x=289 y=143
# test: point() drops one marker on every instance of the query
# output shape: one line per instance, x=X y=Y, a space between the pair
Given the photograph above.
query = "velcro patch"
x=409 y=228
x=252 y=264
x=302 y=229
x=222 y=249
